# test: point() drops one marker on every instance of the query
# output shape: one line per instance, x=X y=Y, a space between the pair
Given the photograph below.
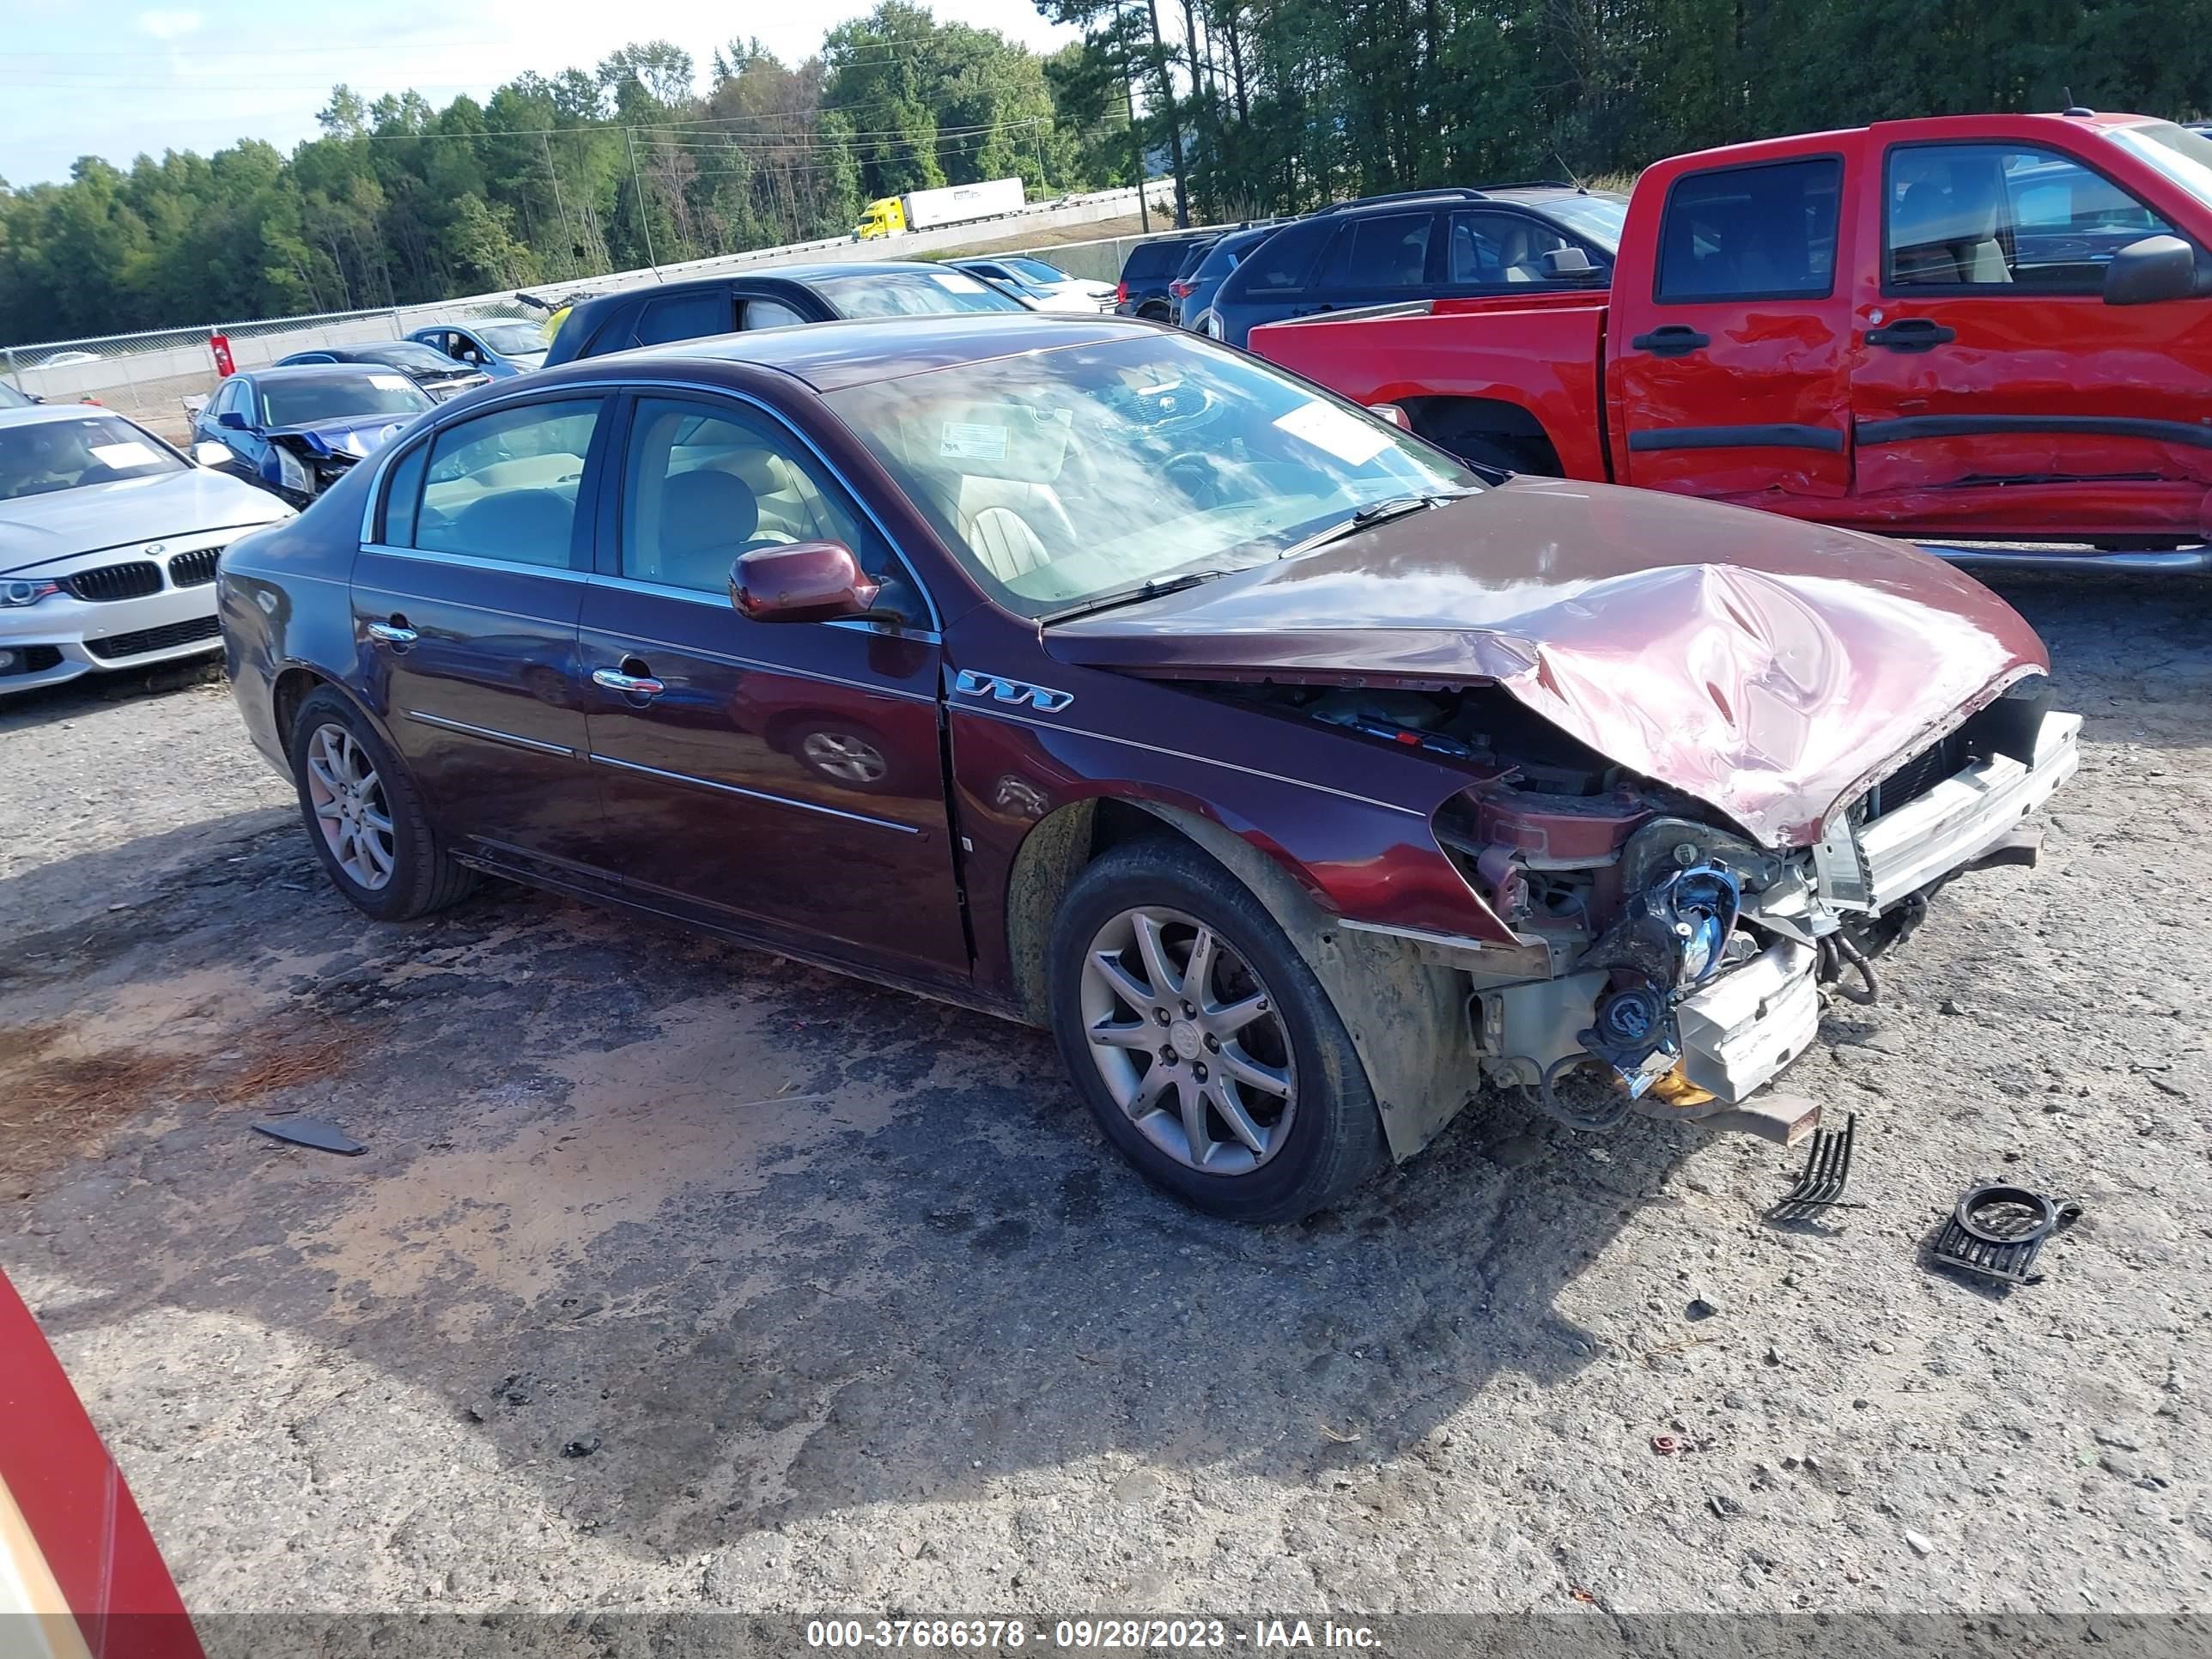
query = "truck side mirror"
x=2156 y=268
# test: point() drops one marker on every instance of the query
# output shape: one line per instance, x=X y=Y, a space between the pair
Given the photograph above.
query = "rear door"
x=1730 y=373
x=464 y=614
x=1375 y=258
x=1994 y=390
x=786 y=779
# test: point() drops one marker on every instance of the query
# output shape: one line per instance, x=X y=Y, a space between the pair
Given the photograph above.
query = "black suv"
x=779 y=297
x=1425 y=244
x=1150 y=266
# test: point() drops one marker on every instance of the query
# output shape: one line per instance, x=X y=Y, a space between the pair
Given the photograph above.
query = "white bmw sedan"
x=108 y=542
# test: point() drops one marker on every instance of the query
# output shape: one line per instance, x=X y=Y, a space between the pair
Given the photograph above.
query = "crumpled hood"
x=355 y=435
x=1768 y=667
x=37 y=530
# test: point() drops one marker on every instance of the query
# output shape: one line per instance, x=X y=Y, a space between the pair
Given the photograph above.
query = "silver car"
x=108 y=542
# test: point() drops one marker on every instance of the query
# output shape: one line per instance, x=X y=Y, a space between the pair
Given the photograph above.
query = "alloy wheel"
x=1189 y=1041
x=846 y=758
x=349 y=807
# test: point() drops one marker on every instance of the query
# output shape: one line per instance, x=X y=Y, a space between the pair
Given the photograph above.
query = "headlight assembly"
x=13 y=595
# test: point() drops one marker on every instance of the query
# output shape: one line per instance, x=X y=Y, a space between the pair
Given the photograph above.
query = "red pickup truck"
x=1991 y=328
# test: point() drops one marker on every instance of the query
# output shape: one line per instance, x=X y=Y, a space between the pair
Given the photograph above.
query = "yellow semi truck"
x=927 y=209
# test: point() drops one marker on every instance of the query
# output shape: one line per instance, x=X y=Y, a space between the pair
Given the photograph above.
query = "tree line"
x=1250 y=106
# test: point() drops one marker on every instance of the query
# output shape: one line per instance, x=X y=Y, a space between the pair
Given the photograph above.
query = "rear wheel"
x=364 y=817
x=1201 y=1041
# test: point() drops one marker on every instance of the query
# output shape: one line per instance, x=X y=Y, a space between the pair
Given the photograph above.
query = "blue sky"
x=115 y=80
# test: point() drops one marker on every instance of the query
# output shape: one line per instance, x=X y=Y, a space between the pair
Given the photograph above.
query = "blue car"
x=297 y=431
x=501 y=347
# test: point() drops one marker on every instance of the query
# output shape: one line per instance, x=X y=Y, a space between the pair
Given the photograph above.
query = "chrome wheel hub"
x=1188 y=1042
x=349 y=807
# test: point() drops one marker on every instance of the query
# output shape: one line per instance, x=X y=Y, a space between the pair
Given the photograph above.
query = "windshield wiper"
x=1368 y=517
x=1145 y=589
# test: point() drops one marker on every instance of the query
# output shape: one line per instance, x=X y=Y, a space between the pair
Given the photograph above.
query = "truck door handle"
x=640 y=685
x=1674 y=340
x=395 y=632
x=1910 y=334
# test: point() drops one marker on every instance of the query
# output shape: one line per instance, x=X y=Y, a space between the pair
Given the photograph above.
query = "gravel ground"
x=678 y=1276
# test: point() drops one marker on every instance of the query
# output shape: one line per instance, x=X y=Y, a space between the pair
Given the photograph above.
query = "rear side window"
x=1281 y=263
x=1154 y=258
x=1387 y=251
x=503 y=486
x=1751 y=233
x=685 y=317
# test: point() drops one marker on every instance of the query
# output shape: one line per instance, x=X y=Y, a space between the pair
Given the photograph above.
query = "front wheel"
x=1201 y=1041
x=364 y=817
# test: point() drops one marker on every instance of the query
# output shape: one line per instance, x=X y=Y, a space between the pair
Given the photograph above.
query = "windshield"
x=512 y=339
x=1594 y=218
x=1060 y=476
x=911 y=294
x=11 y=398
x=45 y=456
x=339 y=397
x=405 y=354
x=2183 y=156
x=1037 y=271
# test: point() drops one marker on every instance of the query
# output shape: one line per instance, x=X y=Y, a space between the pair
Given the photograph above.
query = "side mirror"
x=208 y=452
x=1568 y=262
x=801 y=581
x=2156 y=268
x=233 y=418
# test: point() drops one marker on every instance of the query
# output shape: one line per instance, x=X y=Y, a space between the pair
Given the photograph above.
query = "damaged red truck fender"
x=1988 y=328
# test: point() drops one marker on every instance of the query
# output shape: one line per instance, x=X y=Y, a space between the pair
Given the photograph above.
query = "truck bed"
x=1544 y=352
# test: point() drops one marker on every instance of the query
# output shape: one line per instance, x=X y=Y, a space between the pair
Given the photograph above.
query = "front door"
x=1729 y=377
x=783 y=778
x=1993 y=391
x=464 y=612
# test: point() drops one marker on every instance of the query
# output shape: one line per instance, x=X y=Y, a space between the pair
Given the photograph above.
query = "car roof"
x=36 y=414
x=348 y=371
x=828 y=356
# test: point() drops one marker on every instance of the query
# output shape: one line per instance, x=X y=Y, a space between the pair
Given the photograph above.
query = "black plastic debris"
x=310 y=1131
x=1827 y=1171
x=1997 y=1230
x=582 y=1446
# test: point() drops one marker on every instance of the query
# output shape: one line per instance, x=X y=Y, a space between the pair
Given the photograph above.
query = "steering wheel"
x=1163 y=412
x=1205 y=477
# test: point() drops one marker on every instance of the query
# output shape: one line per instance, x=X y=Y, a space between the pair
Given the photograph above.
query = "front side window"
x=342 y=395
x=514 y=339
x=47 y=456
x=1058 y=476
x=772 y=314
x=911 y=294
x=1388 y=251
x=1758 y=233
x=704 y=484
x=685 y=317
x=503 y=486
x=1488 y=248
x=2004 y=216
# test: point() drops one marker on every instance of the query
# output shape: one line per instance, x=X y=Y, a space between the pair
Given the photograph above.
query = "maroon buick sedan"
x=1301 y=781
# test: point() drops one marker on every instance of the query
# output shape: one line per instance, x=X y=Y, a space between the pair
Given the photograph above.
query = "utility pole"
x=644 y=217
x=1136 y=140
x=568 y=236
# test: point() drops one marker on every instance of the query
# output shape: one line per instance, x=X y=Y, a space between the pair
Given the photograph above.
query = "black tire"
x=423 y=877
x=1334 y=1139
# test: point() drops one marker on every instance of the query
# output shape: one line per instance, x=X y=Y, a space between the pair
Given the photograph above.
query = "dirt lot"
x=845 y=1305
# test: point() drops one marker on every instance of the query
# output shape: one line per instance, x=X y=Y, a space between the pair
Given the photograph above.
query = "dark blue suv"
x=1424 y=244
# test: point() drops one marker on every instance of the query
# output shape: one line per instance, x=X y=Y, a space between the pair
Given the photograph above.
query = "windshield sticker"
x=389 y=382
x=973 y=440
x=119 y=456
x=951 y=283
x=1326 y=427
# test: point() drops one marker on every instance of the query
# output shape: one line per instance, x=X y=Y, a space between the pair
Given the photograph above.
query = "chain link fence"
x=159 y=377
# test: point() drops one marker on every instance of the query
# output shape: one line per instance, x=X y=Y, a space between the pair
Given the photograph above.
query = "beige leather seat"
x=1013 y=527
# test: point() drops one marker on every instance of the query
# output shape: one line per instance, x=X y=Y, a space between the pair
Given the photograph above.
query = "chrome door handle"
x=391 y=634
x=631 y=685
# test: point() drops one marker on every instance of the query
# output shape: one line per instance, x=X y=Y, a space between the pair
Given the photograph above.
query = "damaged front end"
x=1666 y=962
